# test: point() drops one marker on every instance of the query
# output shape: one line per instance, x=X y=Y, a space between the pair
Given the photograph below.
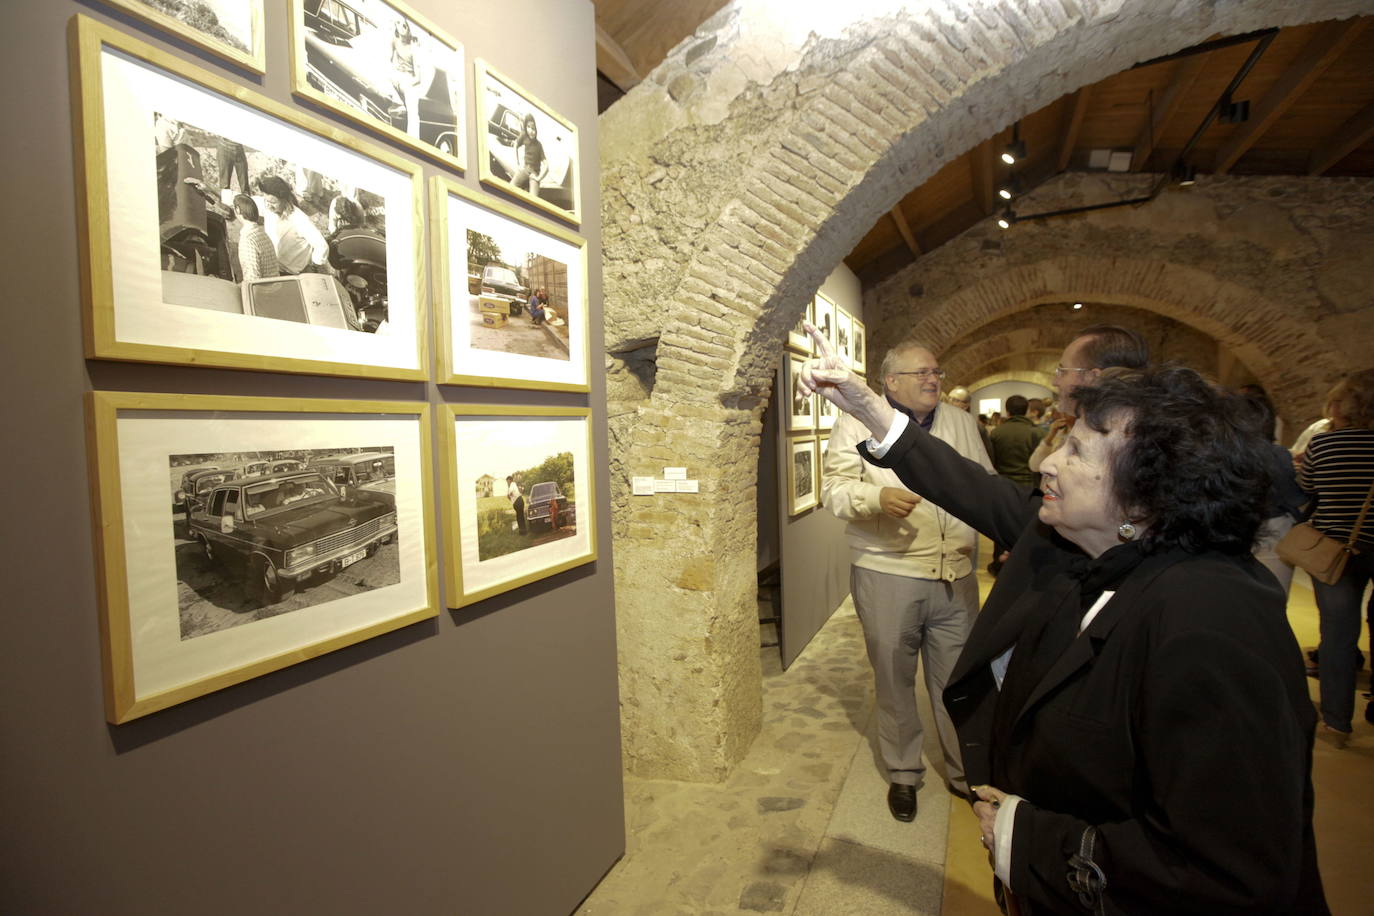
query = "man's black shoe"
x=901 y=801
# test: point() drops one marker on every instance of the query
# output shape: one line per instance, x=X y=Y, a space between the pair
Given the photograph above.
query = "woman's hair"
x=347 y=212
x=1355 y=396
x=1193 y=465
x=276 y=186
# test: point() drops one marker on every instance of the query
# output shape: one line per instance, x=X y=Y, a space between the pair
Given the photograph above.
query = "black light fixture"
x=1006 y=219
x=1229 y=112
x=1185 y=174
x=1016 y=149
x=1010 y=188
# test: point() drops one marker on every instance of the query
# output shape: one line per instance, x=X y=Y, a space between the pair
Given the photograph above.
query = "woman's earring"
x=1126 y=532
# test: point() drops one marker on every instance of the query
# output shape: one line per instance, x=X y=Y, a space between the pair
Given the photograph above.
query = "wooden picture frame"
x=859 y=360
x=248 y=51
x=503 y=110
x=802 y=475
x=174 y=272
x=844 y=335
x=797 y=338
x=825 y=317
x=801 y=409
x=216 y=562
x=493 y=545
x=488 y=334
x=412 y=90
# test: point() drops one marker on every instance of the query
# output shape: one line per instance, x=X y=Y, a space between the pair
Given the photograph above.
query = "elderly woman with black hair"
x=1130 y=702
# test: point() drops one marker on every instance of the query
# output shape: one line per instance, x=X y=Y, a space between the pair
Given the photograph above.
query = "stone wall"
x=734 y=180
x=1275 y=269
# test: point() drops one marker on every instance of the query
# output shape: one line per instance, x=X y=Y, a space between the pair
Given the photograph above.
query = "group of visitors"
x=1128 y=712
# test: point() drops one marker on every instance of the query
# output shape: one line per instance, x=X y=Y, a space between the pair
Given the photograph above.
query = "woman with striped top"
x=1338 y=468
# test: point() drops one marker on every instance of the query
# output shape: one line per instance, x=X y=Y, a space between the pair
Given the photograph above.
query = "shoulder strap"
x=1359 y=522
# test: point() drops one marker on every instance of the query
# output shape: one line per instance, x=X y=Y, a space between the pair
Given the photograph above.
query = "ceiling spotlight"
x=1229 y=112
x=1010 y=188
x=1006 y=219
x=1004 y=193
x=1077 y=306
x=1185 y=174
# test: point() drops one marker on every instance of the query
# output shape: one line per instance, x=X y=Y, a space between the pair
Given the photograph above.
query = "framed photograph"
x=825 y=413
x=382 y=64
x=859 y=357
x=802 y=466
x=802 y=407
x=822 y=448
x=797 y=338
x=232 y=29
x=525 y=148
x=511 y=292
x=844 y=335
x=825 y=318
x=224 y=229
x=519 y=503
x=237 y=536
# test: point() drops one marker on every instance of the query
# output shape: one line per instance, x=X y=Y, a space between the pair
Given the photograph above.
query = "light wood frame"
x=796 y=422
x=254 y=60
x=798 y=340
x=485 y=73
x=88 y=41
x=824 y=305
x=460 y=592
x=301 y=86
x=445 y=275
x=123 y=700
x=794 y=446
x=844 y=325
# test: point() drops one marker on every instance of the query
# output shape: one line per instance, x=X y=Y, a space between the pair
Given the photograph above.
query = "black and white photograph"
x=250 y=234
x=382 y=64
x=526 y=148
x=801 y=407
x=797 y=338
x=241 y=535
x=519 y=497
x=237 y=231
x=267 y=532
x=512 y=294
x=232 y=29
x=844 y=335
x=859 y=357
x=801 y=475
x=825 y=318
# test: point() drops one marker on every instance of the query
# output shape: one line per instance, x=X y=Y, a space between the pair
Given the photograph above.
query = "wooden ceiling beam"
x=1327 y=44
x=983 y=174
x=1184 y=76
x=613 y=62
x=1347 y=138
x=1078 y=107
x=904 y=229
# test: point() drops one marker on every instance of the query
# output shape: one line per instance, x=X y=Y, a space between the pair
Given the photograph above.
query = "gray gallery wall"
x=467 y=764
x=812 y=547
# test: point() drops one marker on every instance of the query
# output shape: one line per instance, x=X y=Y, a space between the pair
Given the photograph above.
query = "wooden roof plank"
x=1077 y=108
x=1323 y=49
x=1182 y=80
x=1343 y=142
x=904 y=229
x=983 y=176
x=613 y=62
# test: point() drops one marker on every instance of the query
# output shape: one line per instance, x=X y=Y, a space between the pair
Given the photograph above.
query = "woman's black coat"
x=1178 y=723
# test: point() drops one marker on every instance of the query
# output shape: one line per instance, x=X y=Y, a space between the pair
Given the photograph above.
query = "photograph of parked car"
x=383 y=65
x=525 y=148
x=512 y=294
x=229 y=28
x=266 y=533
x=251 y=234
x=518 y=496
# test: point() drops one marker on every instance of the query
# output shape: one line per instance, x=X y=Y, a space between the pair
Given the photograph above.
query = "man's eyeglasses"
x=923 y=374
x=1062 y=369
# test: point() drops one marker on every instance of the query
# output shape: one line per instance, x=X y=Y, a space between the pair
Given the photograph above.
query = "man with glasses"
x=911 y=571
x=961 y=399
x=1096 y=347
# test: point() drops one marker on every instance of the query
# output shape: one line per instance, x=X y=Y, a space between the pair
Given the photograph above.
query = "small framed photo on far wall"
x=230 y=28
x=801 y=407
x=802 y=465
x=859 y=358
x=825 y=317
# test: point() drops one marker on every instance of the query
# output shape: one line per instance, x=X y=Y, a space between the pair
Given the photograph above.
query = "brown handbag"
x=1323 y=557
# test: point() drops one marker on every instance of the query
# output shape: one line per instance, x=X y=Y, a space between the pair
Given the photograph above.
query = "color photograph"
x=518 y=501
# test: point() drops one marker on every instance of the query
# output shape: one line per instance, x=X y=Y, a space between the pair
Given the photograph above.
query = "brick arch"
x=734 y=180
x=1242 y=319
x=1043 y=379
